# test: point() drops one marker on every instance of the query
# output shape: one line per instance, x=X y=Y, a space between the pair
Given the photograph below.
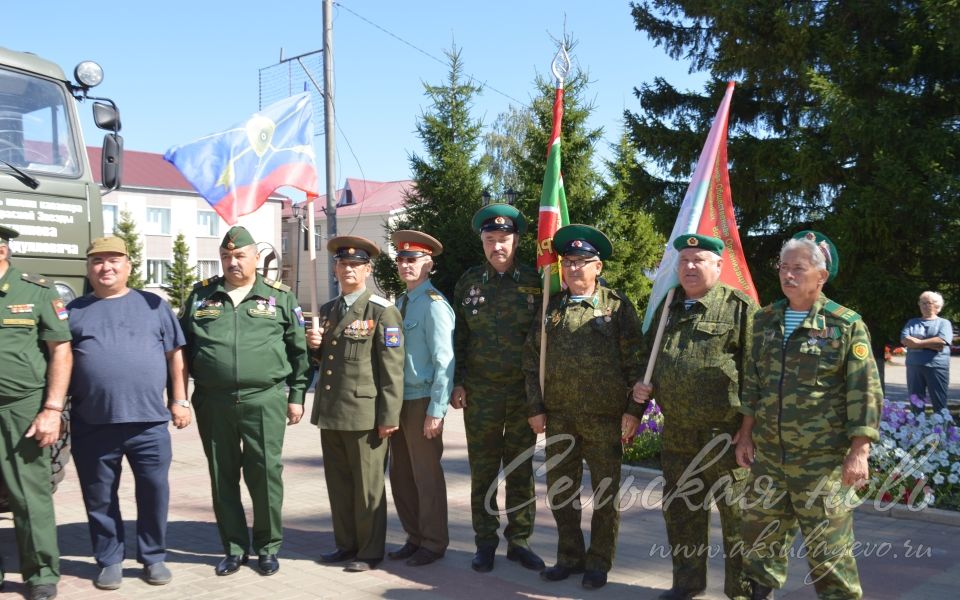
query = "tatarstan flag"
x=236 y=170
x=553 y=202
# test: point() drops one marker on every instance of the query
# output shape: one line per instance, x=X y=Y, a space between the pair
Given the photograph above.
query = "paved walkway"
x=898 y=558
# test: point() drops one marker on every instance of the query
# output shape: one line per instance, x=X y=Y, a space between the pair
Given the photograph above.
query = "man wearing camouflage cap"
x=495 y=304
x=35 y=365
x=811 y=407
x=360 y=352
x=416 y=475
x=248 y=357
x=697 y=381
x=590 y=328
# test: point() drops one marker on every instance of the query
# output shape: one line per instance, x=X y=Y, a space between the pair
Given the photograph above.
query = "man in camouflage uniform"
x=697 y=381
x=35 y=365
x=811 y=407
x=590 y=329
x=494 y=305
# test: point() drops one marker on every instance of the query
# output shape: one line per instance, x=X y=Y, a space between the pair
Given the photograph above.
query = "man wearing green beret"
x=590 y=328
x=35 y=365
x=697 y=381
x=811 y=407
x=360 y=352
x=248 y=357
x=494 y=306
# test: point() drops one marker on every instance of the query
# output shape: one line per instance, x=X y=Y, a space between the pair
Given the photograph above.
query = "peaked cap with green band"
x=582 y=239
x=499 y=216
x=699 y=242
x=826 y=246
x=237 y=237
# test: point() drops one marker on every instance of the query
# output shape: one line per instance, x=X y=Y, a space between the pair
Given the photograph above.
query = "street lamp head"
x=511 y=196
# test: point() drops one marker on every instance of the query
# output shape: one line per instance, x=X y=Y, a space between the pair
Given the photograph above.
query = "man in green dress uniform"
x=35 y=364
x=494 y=306
x=248 y=357
x=359 y=352
x=591 y=329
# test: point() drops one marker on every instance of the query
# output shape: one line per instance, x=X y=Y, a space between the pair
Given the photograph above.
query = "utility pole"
x=329 y=137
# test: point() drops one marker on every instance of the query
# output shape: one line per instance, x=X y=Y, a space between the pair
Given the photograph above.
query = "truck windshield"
x=35 y=130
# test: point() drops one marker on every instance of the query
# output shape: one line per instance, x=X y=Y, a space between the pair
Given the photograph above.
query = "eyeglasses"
x=794 y=270
x=576 y=264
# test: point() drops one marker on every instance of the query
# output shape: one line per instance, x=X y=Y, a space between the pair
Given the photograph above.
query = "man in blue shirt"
x=125 y=345
x=416 y=476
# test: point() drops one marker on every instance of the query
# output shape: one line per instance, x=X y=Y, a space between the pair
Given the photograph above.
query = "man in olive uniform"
x=697 y=381
x=590 y=328
x=811 y=407
x=359 y=352
x=495 y=305
x=35 y=364
x=416 y=449
x=248 y=357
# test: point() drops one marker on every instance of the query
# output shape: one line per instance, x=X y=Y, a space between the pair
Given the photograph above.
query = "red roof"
x=143 y=170
x=368 y=197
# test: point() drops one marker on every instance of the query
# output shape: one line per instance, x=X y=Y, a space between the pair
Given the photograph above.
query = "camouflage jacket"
x=493 y=316
x=699 y=371
x=818 y=391
x=591 y=362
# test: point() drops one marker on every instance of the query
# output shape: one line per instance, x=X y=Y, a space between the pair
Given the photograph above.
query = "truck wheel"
x=59 y=459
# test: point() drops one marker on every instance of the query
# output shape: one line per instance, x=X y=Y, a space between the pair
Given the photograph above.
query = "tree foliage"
x=845 y=119
x=126 y=230
x=448 y=182
x=181 y=276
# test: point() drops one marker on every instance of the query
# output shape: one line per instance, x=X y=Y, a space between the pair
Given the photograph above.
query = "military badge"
x=692 y=241
x=272 y=304
x=60 y=309
x=20 y=308
x=499 y=220
x=298 y=313
x=391 y=337
x=860 y=350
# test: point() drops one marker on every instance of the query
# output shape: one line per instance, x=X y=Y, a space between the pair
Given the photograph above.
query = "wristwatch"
x=183 y=403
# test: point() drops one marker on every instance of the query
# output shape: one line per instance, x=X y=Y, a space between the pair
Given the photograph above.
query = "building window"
x=158 y=221
x=207 y=269
x=109 y=218
x=283 y=244
x=157 y=271
x=208 y=223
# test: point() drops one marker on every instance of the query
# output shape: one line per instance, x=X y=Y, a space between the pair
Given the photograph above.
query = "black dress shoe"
x=483 y=559
x=268 y=564
x=231 y=564
x=338 y=555
x=405 y=551
x=593 y=579
x=526 y=557
x=43 y=591
x=423 y=557
x=760 y=592
x=359 y=566
x=677 y=593
x=559 y=572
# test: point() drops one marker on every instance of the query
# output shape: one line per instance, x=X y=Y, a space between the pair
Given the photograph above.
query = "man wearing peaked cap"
x=697 y=382
x=359 y=352
x=248 y=357
x=35 y=365
x=416 y=475
x=494 y=306
x=806 y=344
x=598 y=330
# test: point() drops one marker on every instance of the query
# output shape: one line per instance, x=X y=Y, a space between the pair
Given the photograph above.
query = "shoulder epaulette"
x=206 y=282
x=778 y=305
x=841 y=312
x=435 y=296
x=616 y=294
x=741 y=295
x=35 y=279
x=276 y=285
x=380 y=301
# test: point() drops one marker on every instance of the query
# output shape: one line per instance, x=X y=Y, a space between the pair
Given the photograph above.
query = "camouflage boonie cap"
x=237 y=237
x=700 y=242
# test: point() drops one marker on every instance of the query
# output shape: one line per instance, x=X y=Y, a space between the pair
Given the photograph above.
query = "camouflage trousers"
x=693 y=482
x=596 y=440
x=498 y=435
x=806 y=495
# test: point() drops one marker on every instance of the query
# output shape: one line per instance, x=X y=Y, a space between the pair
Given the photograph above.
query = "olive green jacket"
x=361 y=366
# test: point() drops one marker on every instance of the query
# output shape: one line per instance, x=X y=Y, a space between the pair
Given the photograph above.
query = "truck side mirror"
x=112 y=161
x=106 y=116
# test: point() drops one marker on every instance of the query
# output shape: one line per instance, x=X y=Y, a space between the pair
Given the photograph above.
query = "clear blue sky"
x=179 y=70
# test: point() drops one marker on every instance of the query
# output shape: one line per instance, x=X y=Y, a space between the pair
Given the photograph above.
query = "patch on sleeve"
x=391 y=337
x=298 y=312
x=60 y=309
x=860 y=350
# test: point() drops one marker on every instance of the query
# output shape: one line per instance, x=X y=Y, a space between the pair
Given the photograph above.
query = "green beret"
x=699 y=242
x=826 y=247
x=583 y=240
x=499 y=216
x=237 y=237
x=7 y=234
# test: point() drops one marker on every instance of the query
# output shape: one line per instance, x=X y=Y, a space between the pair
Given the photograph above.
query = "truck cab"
x=47 y=190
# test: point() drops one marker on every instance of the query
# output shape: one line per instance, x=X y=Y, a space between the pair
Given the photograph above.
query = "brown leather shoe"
x=405 y=551
x=423 y=557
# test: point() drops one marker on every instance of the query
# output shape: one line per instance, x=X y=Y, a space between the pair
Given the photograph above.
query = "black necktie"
x=342 y=309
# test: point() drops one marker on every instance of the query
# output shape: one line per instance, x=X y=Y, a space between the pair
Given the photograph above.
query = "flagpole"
x=312 y=246
x=661 y=326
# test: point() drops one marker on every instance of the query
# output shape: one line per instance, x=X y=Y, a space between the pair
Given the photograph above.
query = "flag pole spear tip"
x=561 y=65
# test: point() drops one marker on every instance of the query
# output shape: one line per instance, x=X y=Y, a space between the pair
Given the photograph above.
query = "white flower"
x=953 y=478
x=938 y=478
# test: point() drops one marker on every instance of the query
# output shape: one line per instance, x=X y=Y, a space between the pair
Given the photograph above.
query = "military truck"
x=47 y=190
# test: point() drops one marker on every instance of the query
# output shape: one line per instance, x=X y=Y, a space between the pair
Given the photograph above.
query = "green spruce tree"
x=126 y=229
x=181 y=276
